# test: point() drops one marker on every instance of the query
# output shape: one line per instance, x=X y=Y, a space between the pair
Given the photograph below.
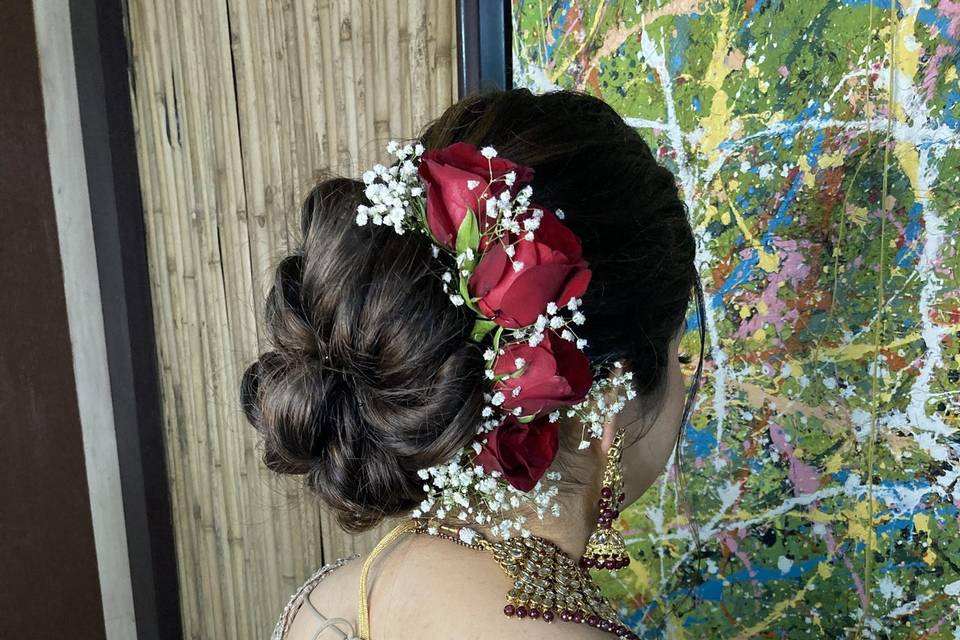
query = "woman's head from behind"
x=372 y=375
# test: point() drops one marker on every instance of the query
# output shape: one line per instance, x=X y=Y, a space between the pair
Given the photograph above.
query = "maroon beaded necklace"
x=547 y=583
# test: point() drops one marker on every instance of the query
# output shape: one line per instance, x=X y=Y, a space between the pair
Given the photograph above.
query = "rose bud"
x=522 y=452
x=548 y=268
x=448 y=175
x=542 y=378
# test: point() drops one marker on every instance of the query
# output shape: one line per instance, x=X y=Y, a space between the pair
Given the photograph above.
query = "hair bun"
x=370 y=375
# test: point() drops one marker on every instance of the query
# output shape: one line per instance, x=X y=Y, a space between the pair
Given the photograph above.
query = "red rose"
x=522 y=452
x=552 y=374
x=445 y=173
x=553 y=270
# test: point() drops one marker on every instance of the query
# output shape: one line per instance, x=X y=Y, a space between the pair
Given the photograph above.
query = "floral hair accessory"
x=520 y=269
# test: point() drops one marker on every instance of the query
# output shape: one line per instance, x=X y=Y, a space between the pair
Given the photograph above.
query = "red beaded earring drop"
x=606 y=548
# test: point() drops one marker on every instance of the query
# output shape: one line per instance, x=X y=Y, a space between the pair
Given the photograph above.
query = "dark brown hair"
x=371 y=375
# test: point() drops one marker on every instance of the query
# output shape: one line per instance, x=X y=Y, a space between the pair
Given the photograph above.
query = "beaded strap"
x=283 y=623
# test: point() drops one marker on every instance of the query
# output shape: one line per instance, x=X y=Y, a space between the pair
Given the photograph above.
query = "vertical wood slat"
x=238 y=107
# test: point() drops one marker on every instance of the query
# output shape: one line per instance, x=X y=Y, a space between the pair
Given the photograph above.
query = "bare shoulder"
x=421 y=588
x=331 y=597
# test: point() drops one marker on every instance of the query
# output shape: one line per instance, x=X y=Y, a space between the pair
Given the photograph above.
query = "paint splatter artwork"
x=817 y=145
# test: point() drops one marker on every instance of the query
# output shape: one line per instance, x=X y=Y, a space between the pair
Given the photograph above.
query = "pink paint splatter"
x=803 y=477
x=793 y=272
x=731 y=543
x=857 y=582
x=951 y=11
x=929 y=81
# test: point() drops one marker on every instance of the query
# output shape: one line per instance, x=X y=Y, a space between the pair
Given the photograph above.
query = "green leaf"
x=468 y=235
x=496 y=338
x=481 y=328
x=465 y=294
x=526 y=419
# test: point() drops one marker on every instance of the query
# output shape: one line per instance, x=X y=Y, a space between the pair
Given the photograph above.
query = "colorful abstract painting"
x=817 y=146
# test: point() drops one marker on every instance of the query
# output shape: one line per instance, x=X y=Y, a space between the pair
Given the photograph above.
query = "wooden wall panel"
x=238 y=107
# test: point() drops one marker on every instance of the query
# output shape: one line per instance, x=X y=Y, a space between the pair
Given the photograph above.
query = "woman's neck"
x=579 y=510
x=578 y=518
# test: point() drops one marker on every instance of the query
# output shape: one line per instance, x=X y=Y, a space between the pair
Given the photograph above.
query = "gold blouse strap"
x=363 y=612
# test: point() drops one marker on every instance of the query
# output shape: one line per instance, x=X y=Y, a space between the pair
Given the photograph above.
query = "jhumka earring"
x=606 y=548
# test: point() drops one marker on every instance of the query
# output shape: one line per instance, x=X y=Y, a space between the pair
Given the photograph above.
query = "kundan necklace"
x=547 y=583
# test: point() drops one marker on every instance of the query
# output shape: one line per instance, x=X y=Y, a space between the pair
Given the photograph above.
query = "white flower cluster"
x=595 y=409
x=554 y=319
x=392 y=190
x=460 y=489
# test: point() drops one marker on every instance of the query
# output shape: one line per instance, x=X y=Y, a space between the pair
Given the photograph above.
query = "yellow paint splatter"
x=856 y=351
x=909 y=159
x=769 y=260
x=860 y=525
x=709 y=213
x=824 y=570
x=715 y=124
x=829 y=160
x=809 y=179
x=833 y=463
x=643 y=577
x=857 y=215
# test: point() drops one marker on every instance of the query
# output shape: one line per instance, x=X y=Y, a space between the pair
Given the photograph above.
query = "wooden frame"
x=484 y=45
x=109 y=149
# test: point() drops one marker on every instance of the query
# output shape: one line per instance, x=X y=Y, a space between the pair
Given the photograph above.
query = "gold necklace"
x=547 y=583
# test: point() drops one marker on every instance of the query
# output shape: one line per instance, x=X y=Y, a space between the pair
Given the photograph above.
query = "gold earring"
x=606 y=548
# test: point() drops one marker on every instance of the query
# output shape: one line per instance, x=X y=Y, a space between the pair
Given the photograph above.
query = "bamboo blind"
x=237 y=106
